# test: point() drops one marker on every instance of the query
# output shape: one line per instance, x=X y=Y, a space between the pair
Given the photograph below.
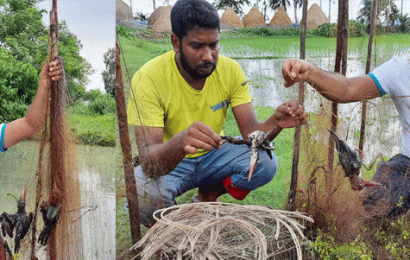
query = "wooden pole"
x=340 y=66
x=57 y=160
x=131 y=190
x=368 y=63
x=296 y=147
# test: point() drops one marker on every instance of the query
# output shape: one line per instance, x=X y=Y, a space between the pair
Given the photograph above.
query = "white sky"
x=93 y=22
x=146 y=7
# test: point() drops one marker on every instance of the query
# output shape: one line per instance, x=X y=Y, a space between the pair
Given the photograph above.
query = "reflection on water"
x=97 y=184
x=383 y=129
x=98 y=215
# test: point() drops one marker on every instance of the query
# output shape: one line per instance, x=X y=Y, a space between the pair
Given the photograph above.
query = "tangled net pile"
x=214 y=230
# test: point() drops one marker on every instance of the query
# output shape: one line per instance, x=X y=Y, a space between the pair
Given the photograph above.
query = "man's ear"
x=175 y=42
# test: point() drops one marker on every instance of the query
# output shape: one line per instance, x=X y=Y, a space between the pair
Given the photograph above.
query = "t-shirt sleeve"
x=2 y=131
x=385 y=76
x=240 y=89
x=144 y=103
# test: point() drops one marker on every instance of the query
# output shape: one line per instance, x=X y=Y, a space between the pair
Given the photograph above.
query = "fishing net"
x=224 y=231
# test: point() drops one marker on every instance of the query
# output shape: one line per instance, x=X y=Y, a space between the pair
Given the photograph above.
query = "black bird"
x=51 y=213
x=351 y=164
x=20 y=222
x=5 y=252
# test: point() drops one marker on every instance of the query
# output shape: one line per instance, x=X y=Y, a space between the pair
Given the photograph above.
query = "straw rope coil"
x=214 y=230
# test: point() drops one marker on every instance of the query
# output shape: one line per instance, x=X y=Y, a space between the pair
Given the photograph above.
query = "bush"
x=327 y=30
x=356 y=29
x=102 y=105
x=124 y=31
x=326 y=248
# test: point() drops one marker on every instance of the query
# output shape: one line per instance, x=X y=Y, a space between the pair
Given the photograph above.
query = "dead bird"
x=351 y=164
x=20 y=222
x=256 y=140
x=50 y=211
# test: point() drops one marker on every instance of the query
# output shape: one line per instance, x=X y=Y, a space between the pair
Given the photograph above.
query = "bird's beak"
x=370 y=183
x=254 y=162
x=23 y=194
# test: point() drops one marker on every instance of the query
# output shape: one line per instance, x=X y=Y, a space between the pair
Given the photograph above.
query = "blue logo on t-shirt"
x=220 y=105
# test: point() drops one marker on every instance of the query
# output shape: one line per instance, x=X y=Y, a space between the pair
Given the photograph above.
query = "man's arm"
x=34 y=120
x=333 y=86
x=159 y=158
x=289 y=114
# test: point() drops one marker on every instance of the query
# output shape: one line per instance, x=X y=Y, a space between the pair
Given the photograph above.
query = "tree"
x=297 y=4
x=275 y=4
x=18 y=84
x=25 y=38
x=394 y=14
x=235 y=4
x=383 y=7
x=404 y=22
x=109 y=73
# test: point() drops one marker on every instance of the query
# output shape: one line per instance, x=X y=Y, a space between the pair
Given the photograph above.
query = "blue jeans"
x=213 y=167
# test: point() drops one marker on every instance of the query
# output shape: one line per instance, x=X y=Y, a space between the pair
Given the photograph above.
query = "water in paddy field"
x=383 y=129
x=95 y=169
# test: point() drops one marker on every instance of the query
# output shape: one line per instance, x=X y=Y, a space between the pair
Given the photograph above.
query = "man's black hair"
x=188 y=14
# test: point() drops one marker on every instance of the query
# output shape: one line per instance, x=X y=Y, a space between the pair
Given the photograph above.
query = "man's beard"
x=193 y=72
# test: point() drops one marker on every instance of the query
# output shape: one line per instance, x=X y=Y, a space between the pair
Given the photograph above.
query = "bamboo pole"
x=131 y=190
x=301 y=98
x=57 y=161
x=368 y=63
x=340 y=66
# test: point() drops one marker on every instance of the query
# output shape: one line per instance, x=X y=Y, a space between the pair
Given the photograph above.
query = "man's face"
x=199 y=52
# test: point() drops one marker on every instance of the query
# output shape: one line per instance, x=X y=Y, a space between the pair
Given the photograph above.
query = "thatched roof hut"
x=158 y=12
x=163 y=24
x=123 y=11
x=254 y=18
x=230 y=18
x=315 y=17
x=281 y=18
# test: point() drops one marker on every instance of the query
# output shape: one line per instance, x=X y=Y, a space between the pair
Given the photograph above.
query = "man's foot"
x=197 y=198
x=209 y=193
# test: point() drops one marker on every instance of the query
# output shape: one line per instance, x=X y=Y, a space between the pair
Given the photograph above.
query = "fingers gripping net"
x=223 y=231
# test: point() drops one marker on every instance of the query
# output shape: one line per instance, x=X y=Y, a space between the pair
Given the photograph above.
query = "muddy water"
x=383 y=129
x=95 y=169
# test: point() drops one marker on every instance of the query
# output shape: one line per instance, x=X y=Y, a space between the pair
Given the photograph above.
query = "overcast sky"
x=146 y=7
x=93 y=22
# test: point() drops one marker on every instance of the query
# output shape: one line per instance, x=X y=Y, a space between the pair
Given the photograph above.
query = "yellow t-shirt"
x=161 y=97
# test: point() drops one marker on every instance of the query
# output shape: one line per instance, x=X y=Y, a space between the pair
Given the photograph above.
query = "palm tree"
x=235 y=4
x=394 y=14
x=275 y=4
x=404 y=22
x=297 y=4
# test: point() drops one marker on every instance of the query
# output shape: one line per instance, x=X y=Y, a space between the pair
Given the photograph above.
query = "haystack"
x=254 y=18
x=281 y=18
x=123 y=11
x=315 y=17
x=158 y=12
x=230 y=18
x=162 y=25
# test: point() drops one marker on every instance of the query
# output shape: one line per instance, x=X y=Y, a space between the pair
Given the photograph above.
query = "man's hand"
x=295 y=71
x=290 y=114
x=199 y=136
x=51 y=71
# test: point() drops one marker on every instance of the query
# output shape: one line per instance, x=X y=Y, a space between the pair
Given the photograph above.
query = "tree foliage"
x=109 y=73
x=18 y=83
x=383 y=10
x=275 y=4
x=23 y=44
x=235 y=4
